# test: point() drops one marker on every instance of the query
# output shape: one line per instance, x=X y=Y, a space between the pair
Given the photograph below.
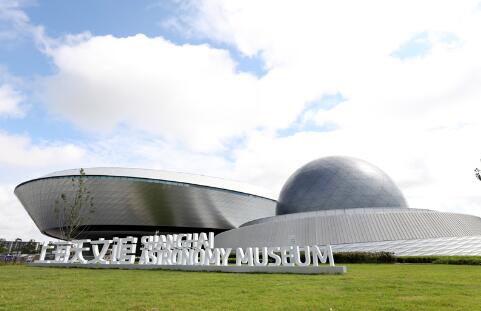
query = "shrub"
x=351 y=257
x=364 y=257
x=416 y=259
x=450 y=260
x=387 y=257
x=458 y=260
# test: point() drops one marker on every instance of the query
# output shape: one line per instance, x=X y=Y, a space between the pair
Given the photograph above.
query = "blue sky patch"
x=421 y=44
x=418 y=46
x=301 y=124
x=39 y=125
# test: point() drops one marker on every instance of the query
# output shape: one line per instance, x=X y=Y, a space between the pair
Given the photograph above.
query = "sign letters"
x=191 y=249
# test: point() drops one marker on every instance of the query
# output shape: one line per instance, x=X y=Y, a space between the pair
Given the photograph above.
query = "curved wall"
x=132 y=205
x=448 y=246
x=351 y=226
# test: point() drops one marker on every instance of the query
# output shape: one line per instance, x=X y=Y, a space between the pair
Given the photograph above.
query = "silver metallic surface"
x=141 y=205
x=351 y=226
x=454 y=246
x=338 y=183
x=193 y=179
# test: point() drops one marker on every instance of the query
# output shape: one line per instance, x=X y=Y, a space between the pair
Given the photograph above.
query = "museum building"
x=342 y=201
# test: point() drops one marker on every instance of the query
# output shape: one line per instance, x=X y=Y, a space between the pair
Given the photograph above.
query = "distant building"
x=342 y=201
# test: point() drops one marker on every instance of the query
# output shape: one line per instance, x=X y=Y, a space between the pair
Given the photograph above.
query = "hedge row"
x=386 y=257
x=416 y=259
x=351 y=257
x=364 y=257
x=450 y=260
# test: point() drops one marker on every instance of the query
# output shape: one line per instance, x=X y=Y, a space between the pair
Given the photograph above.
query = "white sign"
x=194 y=249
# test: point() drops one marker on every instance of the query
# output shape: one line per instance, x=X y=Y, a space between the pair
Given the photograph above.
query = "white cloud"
x=187 y=93
x=11 y=95
x=19 y=152
x=9 y=101
x=12 y=19
x=435 y=170
x=15 y=222
x=416 y=118
x=20 y=159
x=15 y=26
x=401 y=114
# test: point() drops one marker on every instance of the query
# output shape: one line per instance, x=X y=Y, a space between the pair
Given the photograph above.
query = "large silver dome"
x=338 y=183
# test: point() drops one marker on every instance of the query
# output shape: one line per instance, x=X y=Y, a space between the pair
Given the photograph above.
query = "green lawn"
x=364 y=287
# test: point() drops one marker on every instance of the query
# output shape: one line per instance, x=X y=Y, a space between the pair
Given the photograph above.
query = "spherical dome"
x=338 y=183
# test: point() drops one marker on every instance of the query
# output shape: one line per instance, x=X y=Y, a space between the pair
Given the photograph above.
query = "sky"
x=244 y=90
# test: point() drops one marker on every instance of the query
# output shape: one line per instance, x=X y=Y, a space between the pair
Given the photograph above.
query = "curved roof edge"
x=346 y=211
x=194 y=179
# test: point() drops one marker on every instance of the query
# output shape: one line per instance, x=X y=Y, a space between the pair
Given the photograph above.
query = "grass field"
x=364 y=287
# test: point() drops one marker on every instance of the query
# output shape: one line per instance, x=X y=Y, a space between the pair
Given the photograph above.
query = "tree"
x=3 y=246
x=74 y=211
x=29 y=248
x=477 y=173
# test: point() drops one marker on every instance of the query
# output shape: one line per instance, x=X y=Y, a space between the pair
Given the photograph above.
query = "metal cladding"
x=447 y=246
x=353 y=227
x=354 y=206
x=137 y=202
x=338 y=183
x=345 y=202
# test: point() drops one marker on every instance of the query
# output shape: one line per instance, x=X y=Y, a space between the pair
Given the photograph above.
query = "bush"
x=458 y=260
x=351 y=257
x=449 y=260
x=387 y=257
x=416 y=259
x=364 y=257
